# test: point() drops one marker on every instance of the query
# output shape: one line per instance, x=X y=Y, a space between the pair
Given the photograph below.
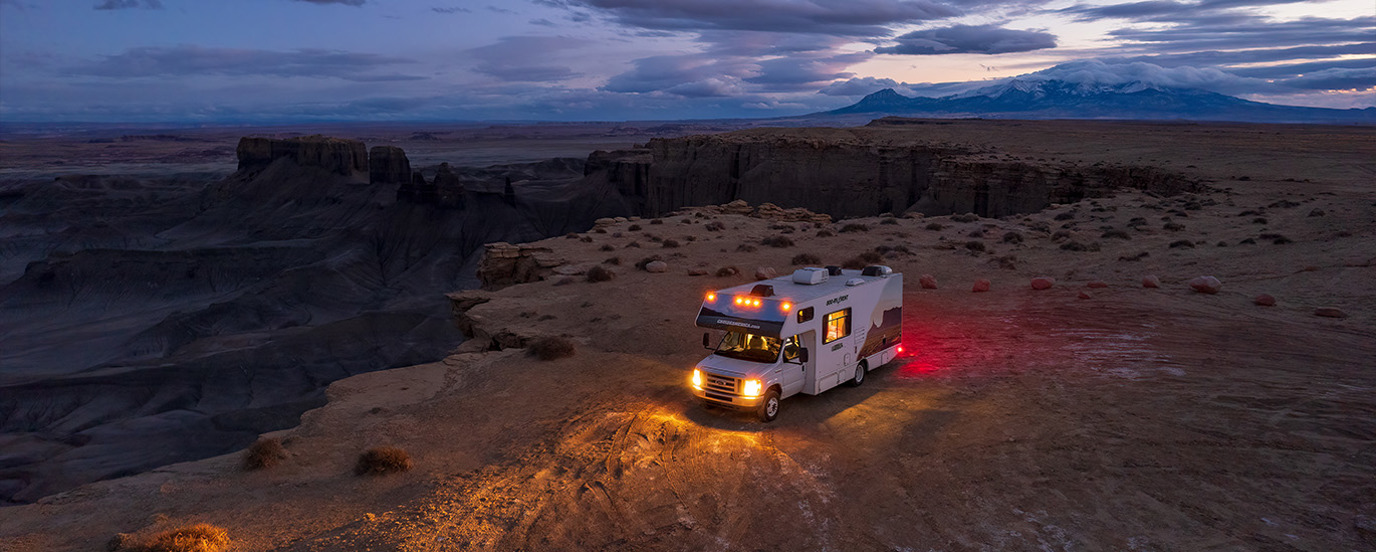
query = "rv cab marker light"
x=751 y=388
x=900 y=349
x=697 y=379
x=711 y=297
x=786 y=306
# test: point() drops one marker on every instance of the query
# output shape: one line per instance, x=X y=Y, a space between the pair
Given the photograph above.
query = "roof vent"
x=762 y=290
x=810 y=276
x=834 y=270
x=855 y=282
x=876 y=270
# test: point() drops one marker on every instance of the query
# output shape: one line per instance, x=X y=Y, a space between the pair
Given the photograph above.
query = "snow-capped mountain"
x=1037 y=97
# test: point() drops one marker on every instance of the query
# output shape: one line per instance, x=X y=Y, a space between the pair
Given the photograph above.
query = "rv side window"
x=838 y=325
x=804 y=315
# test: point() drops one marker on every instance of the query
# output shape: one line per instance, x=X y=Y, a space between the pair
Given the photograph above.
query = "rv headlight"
x=697 y=379
x=751 y=388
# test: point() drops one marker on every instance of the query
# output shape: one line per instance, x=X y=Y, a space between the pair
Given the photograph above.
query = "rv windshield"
x=751 y=347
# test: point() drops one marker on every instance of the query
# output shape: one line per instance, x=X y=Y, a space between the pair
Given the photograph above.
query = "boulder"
x=1085 y=294
x=1206 y=284
x=1097 y=284
x=1330 y=312
x=1043 y=282
x=504 y=264
x=981 y=285
x=765 y=273
x=927 y=281
x=1264 y=300
x=656 y=267
x=1150 y=281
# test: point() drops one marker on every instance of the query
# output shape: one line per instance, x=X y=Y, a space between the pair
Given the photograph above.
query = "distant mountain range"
x=1058 y=99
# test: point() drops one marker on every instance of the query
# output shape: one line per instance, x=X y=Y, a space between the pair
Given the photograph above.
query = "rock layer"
x=336 y=155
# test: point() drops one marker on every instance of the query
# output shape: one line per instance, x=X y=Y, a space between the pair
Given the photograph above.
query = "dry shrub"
x=1012 y=237
x=656 y=221
x=974 y=245
x=889 y=221
x=967 y=217
x=854 y=227
x=670 y=243
x=745 y=248
x=1115 y=233
x=263 y=454
x=600 y=273
x=935 y=226
x=824 y=234
x=777 y=241
x=727 y=271
x=551 y=348
x=855 y=263
x=871 y=257
x=382 y=461
x=1182 y=243
x=806 y=259
x=633 y=227
x=1065 y=216
x=201 y=537
x=607 y=247
x=715 y=226
x=616 y=261
x=640 y=265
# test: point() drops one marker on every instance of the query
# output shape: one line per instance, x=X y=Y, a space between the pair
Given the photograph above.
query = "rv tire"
x=859 y=377
x=769 y=407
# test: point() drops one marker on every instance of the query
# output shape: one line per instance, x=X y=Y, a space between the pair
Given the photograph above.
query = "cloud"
x=189 y=60
x=801 y=73
x=969 y=39
x=344 y=2
x=450 y=10
x=859 y=86
x=528 y=58
x=1363 y=78
x=128 y=4
x=836 y=17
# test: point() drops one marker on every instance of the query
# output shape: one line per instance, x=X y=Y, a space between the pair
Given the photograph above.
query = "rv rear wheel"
x=769 y=408
x=859 y=375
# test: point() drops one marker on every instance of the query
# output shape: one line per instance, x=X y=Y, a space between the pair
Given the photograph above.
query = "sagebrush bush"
x=670 y=243
x=263 y=454
x=806 y=259
x=551 y=348
x=854 y=227
x=967 y=217
x=854 y=263
x=935 y=226
x=600 y=273
x=201 y=537
x=777 y=241
x=871 y=257
x=382 y=461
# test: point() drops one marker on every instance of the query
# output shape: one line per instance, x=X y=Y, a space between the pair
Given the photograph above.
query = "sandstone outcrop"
x=504 y=264
x=336 y=155
x=388 y=165
x=855 y=172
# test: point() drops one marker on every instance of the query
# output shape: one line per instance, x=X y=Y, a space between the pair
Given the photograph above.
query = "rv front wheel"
x=769 y=408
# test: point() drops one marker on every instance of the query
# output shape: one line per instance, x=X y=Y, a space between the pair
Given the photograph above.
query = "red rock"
x=927 y=281
x=1330 y=312
x=1150 y=281
x=656 y=266
x=981 y=285
x=1097 y=284
x=1206 y=284
x=765 y=273
x=1265 y=300
x=697 y=272
x=1085 y=294
x=1043 y=282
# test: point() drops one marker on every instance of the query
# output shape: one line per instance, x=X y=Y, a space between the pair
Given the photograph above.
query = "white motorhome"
x=803 y=333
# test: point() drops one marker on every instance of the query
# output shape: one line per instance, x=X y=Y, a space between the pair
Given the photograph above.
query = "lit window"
x=804 y=315
x=838 y=325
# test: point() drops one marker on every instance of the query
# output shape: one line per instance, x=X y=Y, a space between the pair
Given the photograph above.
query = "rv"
x=803 y=333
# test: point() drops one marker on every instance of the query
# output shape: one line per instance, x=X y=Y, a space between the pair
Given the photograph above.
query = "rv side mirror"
x=706 y=341
x=802 y=355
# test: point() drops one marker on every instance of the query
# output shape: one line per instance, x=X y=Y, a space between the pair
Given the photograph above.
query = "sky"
x=258 y=61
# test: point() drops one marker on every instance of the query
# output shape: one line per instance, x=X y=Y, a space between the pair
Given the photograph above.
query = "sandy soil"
x=1136 y=419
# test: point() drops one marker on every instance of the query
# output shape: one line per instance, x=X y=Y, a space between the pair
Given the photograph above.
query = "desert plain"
x=1112 y=417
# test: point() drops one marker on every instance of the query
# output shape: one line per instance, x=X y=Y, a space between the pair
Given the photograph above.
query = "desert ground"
x=1074 y=418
